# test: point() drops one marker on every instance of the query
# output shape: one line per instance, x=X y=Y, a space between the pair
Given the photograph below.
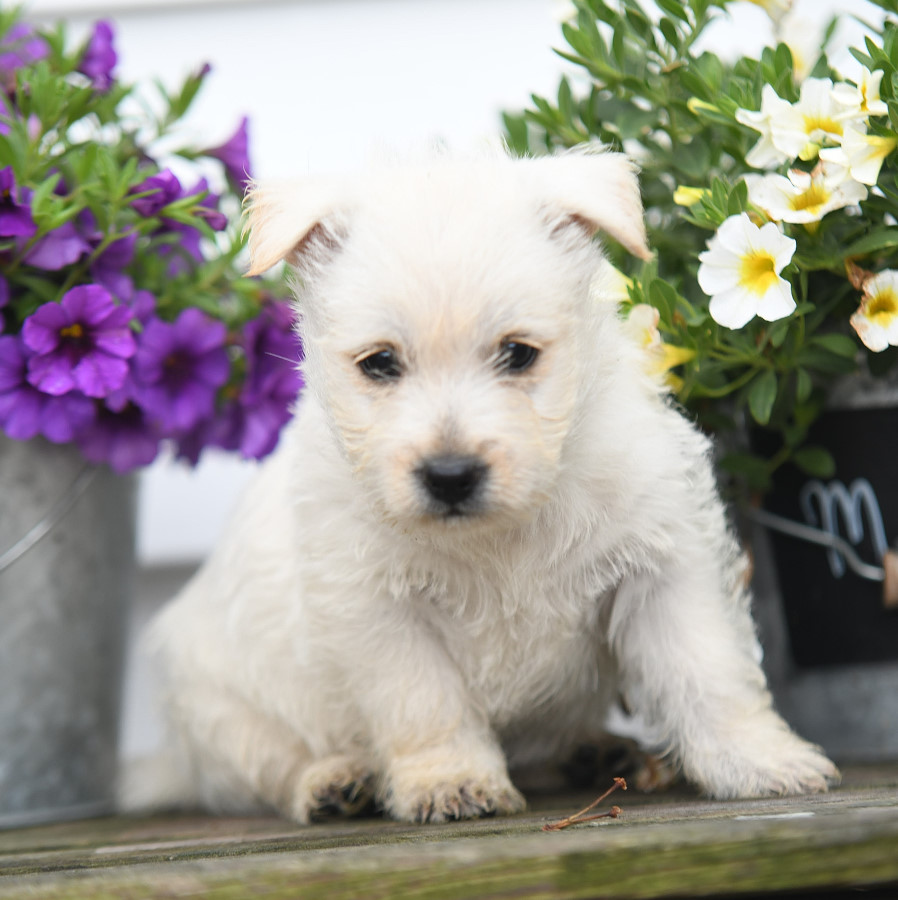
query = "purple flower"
x=15 y=215
x=207 y=208
x=121 y=437
x=142 y=305
x=57 y=249
x=25 y=411
x=108 y=268
x=178 y=369
x=234 y=154
x=187 y=248
x=80 y=343
x=100 y=57
x=251 y=421
x=273 y=354
x=160 y=190
x=19 y=47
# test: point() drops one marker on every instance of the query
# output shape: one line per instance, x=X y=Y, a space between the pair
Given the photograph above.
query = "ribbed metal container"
x=66 y=575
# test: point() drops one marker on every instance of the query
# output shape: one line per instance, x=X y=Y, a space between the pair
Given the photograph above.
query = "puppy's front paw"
x=469 y=799
x=423 y=792
x=334 y=786
x=768 y=761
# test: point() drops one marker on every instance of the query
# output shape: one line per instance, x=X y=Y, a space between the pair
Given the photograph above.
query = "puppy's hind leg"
x=242 y=760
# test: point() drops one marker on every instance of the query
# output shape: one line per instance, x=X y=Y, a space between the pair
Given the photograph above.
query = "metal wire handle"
x=886 y=574
x=46 y=524
x=816 y=536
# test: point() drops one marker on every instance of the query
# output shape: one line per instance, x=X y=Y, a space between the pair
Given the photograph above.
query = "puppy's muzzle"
x=453 y=482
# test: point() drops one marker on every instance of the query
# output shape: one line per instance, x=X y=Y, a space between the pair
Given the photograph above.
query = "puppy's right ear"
x=297 y=221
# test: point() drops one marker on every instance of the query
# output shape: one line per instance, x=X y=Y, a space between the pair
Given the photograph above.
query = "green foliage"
x=80 y=154
x=641 y=83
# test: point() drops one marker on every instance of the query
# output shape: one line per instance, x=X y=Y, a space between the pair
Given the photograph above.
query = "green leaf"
x=673 y=8
x=803 y=385
x=669 y=30
x=840 y=344
x=881 y=239
x=815 y=461
x=761 y=396
x=752 y=468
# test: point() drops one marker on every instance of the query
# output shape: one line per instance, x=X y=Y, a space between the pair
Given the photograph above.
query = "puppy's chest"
x=521 y=644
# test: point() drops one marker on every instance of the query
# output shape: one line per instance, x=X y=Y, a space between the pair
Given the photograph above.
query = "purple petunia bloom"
x=143 y=306
x=234 y=154
x=100 y=57
x=19 y=47
x=25 y=411
x=122 y=437
x=273 y=381
x=58 y=248
x=80 y=343
x=160 y=190
x=178 y=369
x=15 y=213
x=251 y=422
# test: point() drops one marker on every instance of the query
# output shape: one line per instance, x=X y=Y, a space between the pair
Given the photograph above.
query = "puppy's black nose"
x=452 y=480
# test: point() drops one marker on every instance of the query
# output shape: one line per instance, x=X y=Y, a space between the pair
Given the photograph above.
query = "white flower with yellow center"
x=861 y=155
x=876 y=319
x=642 y=326
x=793 y=130
x=862 y=99
x=822 y=118
x=740 y=272
x=804 y=197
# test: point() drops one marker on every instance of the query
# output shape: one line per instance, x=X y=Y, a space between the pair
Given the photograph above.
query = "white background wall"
x=323 y=81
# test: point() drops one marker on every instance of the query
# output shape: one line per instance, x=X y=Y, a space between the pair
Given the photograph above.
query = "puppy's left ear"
x=596 y=191
x=284 y=218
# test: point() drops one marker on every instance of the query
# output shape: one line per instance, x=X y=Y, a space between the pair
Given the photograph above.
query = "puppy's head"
x=449 y=327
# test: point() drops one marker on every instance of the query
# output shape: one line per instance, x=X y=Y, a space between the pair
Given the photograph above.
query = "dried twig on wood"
x=581 y=816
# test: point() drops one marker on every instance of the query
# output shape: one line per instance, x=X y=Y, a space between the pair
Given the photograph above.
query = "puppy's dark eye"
x=381 y=366
x=516 y=356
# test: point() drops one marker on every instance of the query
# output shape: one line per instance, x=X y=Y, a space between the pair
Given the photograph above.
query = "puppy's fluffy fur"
x=464 y=549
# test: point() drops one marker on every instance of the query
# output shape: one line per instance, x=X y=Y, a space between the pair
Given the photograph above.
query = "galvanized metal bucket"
x=66 y=574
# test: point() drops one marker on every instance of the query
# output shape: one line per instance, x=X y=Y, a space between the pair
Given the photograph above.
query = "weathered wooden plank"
x=670 y=844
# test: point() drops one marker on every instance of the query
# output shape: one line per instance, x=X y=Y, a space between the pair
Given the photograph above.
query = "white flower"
x=821 y=115
x=789 y=130
x=876 y=319
x=740 y=271
x=860 y=154
x=642 y=326
x=782 y=137
x=804 y=197
x=863 y=99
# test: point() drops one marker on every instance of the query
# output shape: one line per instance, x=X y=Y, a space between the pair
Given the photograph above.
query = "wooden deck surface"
x=663 y=845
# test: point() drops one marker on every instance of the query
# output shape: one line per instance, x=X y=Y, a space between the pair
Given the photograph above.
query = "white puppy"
x=485 y=523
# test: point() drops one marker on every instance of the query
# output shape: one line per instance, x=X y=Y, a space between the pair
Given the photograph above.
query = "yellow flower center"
x=72 y=331
x=822 y=123
x=883 y=306
x=758 y=272
x=812 y=200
